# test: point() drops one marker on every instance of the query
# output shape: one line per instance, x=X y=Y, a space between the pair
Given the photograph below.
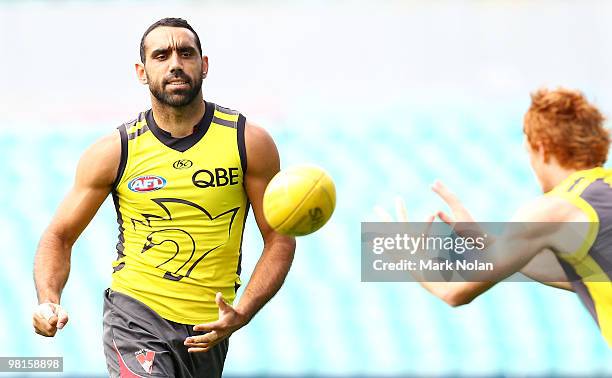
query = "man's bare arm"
x=277 y=255
x=509 y=253
x=513 y=251
x=95 y=175
x=545 y=268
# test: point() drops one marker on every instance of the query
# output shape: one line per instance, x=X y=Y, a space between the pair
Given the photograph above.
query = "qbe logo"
x=146 y=184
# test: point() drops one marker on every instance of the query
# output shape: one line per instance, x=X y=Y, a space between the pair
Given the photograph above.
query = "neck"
x=178 y=121
x=556 y=175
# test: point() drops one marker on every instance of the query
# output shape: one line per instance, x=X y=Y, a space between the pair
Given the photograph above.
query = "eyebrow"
x=186 y=49
x=165 y=50
x=160 y=51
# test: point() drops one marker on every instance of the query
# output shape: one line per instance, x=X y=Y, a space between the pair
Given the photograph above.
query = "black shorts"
x=140 y=343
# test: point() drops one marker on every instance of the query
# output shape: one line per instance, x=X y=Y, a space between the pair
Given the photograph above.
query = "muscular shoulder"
x=549 y=209
x=261 y=151
x=99 y=163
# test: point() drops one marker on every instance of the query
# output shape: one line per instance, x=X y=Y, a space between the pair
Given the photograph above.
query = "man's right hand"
x=48 y=318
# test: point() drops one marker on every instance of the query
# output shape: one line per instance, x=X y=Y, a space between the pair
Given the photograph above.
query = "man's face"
x=173 y=65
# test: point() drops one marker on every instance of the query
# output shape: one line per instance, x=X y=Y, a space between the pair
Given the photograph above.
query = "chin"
x=178 y=100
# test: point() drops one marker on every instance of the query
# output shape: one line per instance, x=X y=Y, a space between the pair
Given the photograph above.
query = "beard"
x=177 y=98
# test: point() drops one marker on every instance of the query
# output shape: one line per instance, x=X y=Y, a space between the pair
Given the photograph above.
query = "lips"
x=177 y=83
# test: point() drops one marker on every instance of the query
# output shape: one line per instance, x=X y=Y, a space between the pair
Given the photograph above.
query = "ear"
x=204 y=65
x=541 y=152
x=141 y=73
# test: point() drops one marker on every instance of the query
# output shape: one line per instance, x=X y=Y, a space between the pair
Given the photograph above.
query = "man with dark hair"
x=170 y=22
x=182 y=188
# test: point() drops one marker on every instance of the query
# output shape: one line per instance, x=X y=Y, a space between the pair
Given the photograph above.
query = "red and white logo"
x=147 y=184
x=145 y=358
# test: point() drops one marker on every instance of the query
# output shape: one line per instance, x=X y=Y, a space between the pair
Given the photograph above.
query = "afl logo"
x=146 y=184
x=182 y=164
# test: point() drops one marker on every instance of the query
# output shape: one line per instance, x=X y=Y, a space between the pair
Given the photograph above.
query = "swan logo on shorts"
x=146 y=184
x=145 y=358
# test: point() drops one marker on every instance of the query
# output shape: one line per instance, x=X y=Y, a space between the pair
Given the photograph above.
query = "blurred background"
x=386 y=95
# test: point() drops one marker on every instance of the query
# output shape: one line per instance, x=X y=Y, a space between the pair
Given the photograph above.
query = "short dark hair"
x=172 y=22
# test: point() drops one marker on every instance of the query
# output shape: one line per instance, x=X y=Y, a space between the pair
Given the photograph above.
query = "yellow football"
x=299 y=200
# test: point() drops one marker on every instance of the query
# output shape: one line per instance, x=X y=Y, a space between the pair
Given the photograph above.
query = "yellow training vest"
x=181 y=208
x=590 y=267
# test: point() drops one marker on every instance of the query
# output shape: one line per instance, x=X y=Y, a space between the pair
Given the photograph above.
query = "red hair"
x=568 y=128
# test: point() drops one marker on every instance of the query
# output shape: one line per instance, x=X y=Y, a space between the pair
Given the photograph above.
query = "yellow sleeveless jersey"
x=181 y=207
x=590 y=267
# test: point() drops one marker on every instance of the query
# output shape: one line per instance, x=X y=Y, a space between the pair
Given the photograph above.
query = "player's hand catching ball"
x=48 y=318
x=229 y=322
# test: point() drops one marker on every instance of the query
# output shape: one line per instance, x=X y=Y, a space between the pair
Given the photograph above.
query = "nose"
x=176 y=64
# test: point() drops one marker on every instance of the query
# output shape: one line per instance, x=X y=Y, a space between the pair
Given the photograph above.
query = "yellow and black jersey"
x=181 y=207
x=590 y=267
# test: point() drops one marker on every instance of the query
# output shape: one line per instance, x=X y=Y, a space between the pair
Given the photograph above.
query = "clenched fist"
x=48 y=318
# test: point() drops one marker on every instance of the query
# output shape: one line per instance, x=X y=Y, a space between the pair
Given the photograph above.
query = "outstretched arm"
x=510 y=252
x=95 y=174
x=277 y=255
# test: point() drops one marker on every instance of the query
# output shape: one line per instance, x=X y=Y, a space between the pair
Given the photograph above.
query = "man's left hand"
x=229 y=321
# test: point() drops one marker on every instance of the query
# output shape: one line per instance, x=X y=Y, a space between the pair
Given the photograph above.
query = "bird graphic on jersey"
x=165 y=228
x=180 y=237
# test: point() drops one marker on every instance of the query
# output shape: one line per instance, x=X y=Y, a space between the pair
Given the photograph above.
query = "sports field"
x=387 y=96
